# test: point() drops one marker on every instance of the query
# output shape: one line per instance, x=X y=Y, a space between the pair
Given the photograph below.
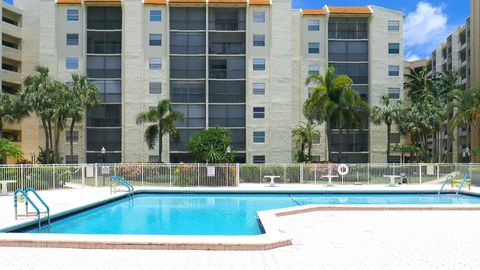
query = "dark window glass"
x=226 y=19
x=352 y=142
x=107 y=158
x=104 y=66
x=111 y=139
x=104 y=42
x=258 y=112
x=72 y=14
x=226 y=115
x=393 y=48
x=155 y=15
x=187 y=43
x=258 y=159
x=105 y=115
x=187 y=91
x=104 y=18
x=72 y=39
x=226 y=43
x=187 y=18
x=183 y=67
x=348 y=51
x=110 y=91
x=227 y=68
x=155 y=40
x=358 y=72
x=343 y=28
x=194 y=114
x=180 y=143
x=227 y=91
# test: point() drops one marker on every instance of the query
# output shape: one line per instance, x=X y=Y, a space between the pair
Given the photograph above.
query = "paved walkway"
x=323 y=240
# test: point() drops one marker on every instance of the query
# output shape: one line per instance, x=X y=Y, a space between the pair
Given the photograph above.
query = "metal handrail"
x=465 y=178
x=41 y=200
x=28 y=200
x=122 y=181
x=444 y=183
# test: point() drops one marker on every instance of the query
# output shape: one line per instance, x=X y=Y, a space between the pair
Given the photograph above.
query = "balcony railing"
x=227 y=25
x=216 y=73
x=104 y=48
x=230 y=48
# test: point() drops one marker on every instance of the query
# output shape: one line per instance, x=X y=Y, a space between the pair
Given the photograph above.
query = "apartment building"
x=475 y=64
x=17 y=60
x=455 y=54
x=236 y=64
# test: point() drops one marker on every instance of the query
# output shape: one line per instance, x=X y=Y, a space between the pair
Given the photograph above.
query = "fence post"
x=198 y=174
x=96 y=175
x=301 y=173
x=368 y=173
x=53 y=176
x=420 y=172
x=142 y=174
x=438 y=171
x=237 y=174
x=83 y=175
x=22 y=176
x=170 y=173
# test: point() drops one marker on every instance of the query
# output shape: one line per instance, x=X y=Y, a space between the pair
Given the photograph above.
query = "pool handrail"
x=30 y=189
x=445 y=183
x=29 y=200
x=465 y=178
x=115 y=178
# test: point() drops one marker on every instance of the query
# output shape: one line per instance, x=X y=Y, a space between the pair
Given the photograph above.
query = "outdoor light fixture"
x=229 y=149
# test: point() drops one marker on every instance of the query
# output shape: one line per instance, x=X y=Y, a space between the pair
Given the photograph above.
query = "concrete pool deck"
x=61 y=201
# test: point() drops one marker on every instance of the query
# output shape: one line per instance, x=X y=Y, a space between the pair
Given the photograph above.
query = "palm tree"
x=385 y=115
x=10 y=111
x=303 y=135
x=418 y=83
x=467 y=104
x=334 y=99
x=82 y=94
x=163 y=121
x=211 y=145
x=37 y=97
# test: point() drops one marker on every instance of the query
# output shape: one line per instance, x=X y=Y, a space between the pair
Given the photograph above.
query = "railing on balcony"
x=217 y=73
x=226 y=48
x=226 y=25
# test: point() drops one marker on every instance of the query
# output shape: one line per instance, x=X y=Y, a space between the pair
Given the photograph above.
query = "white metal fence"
x=44 y=177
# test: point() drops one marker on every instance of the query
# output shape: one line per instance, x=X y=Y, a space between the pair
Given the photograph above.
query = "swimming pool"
x=213 y=214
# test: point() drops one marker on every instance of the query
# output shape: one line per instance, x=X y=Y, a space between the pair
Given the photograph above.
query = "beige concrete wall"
x=475 y=64
x=379 y=81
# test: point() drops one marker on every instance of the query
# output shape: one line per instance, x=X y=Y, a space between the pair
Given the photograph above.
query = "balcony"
x=220 y=73
x=226 y=48
x=227 y=25
x=226 y=19
x=11 y=53
x=11 y=30
x=11 y=76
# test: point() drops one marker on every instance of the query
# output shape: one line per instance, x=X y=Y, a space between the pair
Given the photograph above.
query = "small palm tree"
x=10 y=111
x=211 y=145
x=82 y=94
x=303 y=135
x=386 y=115
x=163 y=121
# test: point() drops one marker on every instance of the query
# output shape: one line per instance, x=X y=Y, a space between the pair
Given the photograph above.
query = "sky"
x=427 y=22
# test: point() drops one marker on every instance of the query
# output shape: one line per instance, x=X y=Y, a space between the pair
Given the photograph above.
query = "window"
x=258 y=159
x=313 y=25
x=71 y=159
x=258 y=112
x=75 y=136
x=394 y=93
x=258 y=64
x=72 y=63
x=155 y=40
x=259 y=16
x=258 y=40
x=155 y=64
x=313 y=69
x=340 y=50
x=393 y=26
x=72 y=39
x=316 y=139
x=313 y=47
x=155 y=87
x=72 y=14
x=155 y=15
x=393 y=71
x=259 y=137
x=393 y=48
x=310 y=91
x=154 y=158
x=259 y=88
x=395 y=138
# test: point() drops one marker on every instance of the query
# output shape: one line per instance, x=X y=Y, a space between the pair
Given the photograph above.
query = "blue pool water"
x=215 y=214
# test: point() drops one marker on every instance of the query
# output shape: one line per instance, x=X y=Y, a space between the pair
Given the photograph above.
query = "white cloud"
x=425 y=28
x=409 y=56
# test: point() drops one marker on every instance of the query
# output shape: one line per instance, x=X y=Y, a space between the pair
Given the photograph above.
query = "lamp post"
x=229 y=150
x=32 y=156
x=104 y=151
x=305 y=155
x=466 y=154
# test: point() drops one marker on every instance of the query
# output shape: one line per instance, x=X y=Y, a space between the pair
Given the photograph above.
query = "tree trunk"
x=160 y=143
x=1 y=128
x=389 y=129
x=327 y=134
x=341 y=140
x=72 y=125
x=57 y=140
x=50 y=141
x=309 y=152
x=47 y=141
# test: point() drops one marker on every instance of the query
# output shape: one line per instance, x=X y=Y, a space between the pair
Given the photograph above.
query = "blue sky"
x=427 y=22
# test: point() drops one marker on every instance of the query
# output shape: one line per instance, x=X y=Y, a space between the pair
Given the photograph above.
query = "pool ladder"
x=465 y=178
x=117 y=179
x=24 y=194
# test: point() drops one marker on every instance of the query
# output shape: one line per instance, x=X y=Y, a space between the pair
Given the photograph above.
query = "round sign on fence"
x=342 y=169
x=21 y=198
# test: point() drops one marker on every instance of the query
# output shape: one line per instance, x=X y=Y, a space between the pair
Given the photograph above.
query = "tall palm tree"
x=334 y=99
x=385 y=115
x=10 y=111
x=82 y=94
x=418 y=83
x=303 y=135
x=37 y=97
x=163 y=121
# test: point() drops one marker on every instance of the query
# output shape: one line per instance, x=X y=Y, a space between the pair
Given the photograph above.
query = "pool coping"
x=276 y=235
